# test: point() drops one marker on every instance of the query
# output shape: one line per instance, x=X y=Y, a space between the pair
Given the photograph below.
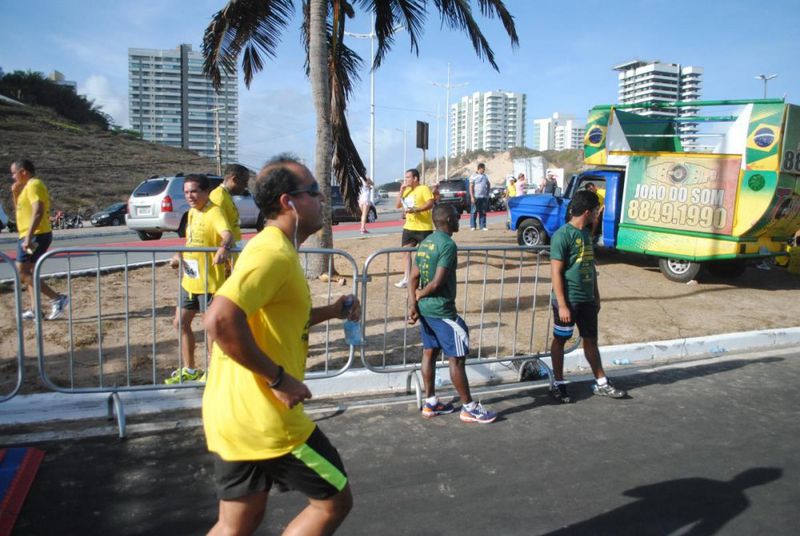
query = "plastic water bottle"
x=352 y=328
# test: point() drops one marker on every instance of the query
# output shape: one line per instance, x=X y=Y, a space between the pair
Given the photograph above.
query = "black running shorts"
x=313 y=468
x=583 y=314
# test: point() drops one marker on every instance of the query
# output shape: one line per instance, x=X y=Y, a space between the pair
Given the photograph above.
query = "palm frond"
x=490 y=8
x=389 y=14
x=252 y=25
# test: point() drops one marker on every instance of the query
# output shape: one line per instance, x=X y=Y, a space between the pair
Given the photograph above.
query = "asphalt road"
x=708 y=447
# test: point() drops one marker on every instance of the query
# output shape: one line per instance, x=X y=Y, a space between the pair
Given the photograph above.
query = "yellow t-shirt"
x=204 y=229
x=512 y=190
x=601 y=195
x=242 y=418
x=417 y=197
x=222 y=198
x=34 y=190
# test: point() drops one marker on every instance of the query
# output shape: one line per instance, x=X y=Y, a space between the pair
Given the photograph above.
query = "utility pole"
x=438 y=154
x=217 y=140
x=405 y=149
x=448 y=87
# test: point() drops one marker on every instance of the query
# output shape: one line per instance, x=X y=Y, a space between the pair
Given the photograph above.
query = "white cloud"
x=98 y=88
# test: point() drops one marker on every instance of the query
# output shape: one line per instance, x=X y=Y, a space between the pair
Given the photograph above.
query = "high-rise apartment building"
x=173 y=103
x=491 y=121
x=562 y=131
x=652 y=81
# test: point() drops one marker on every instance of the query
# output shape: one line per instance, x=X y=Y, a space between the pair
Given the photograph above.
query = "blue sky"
x=564 y=62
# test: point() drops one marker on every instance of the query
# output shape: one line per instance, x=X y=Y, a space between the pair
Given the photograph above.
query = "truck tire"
x=678 y=270
x=144 y=235
x=727 y=269
x=531 y=233
x=372 y=215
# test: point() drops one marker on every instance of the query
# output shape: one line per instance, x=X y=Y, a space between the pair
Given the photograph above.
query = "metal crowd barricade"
x=122 y=337
x=501 y=296
x=13 y=348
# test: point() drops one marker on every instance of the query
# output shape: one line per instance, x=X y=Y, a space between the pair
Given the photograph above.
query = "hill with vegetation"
x=84 y=166
x=500 y=165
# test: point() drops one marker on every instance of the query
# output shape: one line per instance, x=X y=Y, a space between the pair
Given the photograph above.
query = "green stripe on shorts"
x=325 y=469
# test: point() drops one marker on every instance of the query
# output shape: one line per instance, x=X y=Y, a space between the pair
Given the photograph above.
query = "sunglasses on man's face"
x=312 y=190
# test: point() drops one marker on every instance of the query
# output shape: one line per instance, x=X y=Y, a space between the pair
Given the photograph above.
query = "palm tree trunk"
x=320 y=90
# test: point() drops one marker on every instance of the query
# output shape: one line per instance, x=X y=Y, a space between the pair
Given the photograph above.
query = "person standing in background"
x=365 y=201
x=521 y=184
x=417 y=201
x=479 y=196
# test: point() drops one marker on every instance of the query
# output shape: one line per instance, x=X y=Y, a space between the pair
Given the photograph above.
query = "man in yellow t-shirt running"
x=32 y=204
x=206 y=226
x=253 y=414
x=417 y=202
x=234 y=182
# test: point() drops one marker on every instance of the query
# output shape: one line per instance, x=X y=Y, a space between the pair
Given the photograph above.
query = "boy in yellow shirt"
x=206 y=227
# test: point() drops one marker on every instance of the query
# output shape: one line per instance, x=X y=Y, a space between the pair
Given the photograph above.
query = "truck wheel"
x=144 y=235
x=727 y=269
x=372 y=215
x=531 y=233
x=678 y=270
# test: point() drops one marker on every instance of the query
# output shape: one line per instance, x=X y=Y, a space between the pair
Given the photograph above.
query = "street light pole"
x=371 y=36
x=765 y=78
x=447 y=86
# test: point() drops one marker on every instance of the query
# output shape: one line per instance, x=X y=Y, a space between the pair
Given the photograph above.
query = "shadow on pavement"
x=666 y=507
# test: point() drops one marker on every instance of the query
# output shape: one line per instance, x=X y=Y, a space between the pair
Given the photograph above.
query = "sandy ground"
x=114 y=338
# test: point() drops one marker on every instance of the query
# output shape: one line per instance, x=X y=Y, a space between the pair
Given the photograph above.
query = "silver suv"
x=158 y=205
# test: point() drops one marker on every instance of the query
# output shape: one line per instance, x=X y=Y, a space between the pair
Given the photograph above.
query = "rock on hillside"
x=84 y=168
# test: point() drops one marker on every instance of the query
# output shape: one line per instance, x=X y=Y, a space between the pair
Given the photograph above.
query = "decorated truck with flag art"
x=711 y=190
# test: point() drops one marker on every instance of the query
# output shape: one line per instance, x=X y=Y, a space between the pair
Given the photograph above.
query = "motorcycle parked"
x=497 y=200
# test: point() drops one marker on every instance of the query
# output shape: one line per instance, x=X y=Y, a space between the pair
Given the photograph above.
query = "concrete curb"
x=47 y=407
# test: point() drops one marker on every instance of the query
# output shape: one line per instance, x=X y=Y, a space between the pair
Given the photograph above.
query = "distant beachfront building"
x=559 y=132
x=173 y=103
x=643 y=81
x=489 y=121
x=60 y=79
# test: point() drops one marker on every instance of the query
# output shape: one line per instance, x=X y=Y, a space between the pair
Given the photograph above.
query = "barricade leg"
x=115 y=408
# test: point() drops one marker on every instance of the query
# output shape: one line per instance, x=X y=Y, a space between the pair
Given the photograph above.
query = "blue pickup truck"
x=536 y=217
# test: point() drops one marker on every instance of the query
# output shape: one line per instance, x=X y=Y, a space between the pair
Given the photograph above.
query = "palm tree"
x=252 y=28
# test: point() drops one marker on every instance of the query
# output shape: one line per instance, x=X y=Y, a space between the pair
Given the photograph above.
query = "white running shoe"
x=58 y=307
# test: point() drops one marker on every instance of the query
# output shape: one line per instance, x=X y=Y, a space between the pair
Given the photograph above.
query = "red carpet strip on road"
x=18 y=467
